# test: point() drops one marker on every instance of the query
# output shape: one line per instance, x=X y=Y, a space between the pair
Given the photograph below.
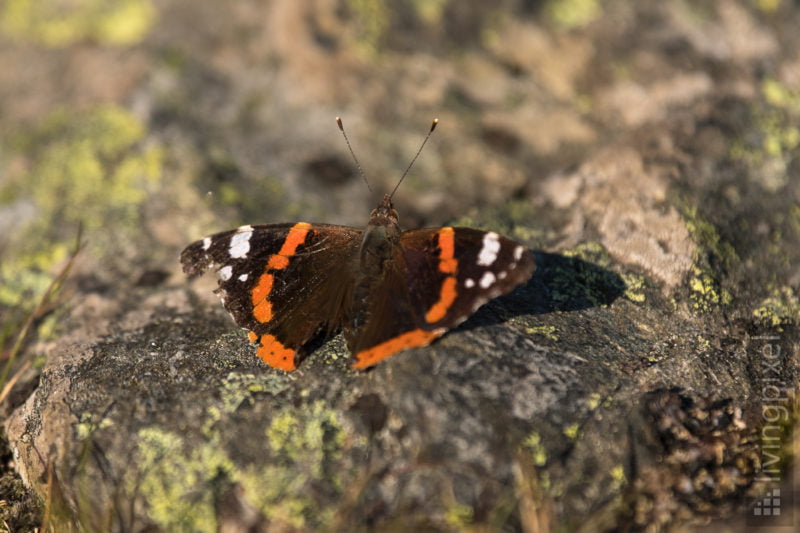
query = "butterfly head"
x=384 y=214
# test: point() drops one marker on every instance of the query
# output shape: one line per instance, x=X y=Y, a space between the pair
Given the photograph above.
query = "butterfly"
x=386 y=289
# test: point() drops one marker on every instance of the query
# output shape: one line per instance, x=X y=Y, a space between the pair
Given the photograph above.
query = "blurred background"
x=143 y=125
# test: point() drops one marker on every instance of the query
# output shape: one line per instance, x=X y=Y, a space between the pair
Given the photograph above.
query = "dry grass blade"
x=13 y=381
x=38 y=311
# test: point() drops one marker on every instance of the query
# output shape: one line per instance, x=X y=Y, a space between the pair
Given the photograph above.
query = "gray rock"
x=645 y=377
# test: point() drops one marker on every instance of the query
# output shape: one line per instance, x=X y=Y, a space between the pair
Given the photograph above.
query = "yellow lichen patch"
x=459 y=515
x=705 y=234
x=79 y=170
x=89 y=168
x=569 y=14
x=618 y=475
x=25 y=277
x=634 y=287
x=705 y=291
x=772 y=144
x=572 y=431
x=430 y=11
x=301 y=443
x=533 y=443
x=57 y=24
x=372 y=22
x=86 y=426
x=176 y=482
x=778 y=95
x=593 y=402
x=781 y=308
x=241 y=388
x=549 y=332
x=768 y=6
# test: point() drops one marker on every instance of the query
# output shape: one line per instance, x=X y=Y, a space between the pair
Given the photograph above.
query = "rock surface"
x=646 y=376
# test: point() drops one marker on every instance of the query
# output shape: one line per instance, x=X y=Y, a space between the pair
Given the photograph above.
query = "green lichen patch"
x=176 y=483
x=89 y=168
x=768 y=6
x=25 y=277
x=714 y=258
x=546 y=331
x=509 y=220
x=635 y=286
x=459 y=515
x=780 y=96
x=570 y=14
x=295 y=482
x=430 y=11
x=781 y=308
x=619 y=477
x=773 y=141
x=593 y=252
x=373 y=20
x=705 y=291
x=304 y=446
x=533 y=443
x=241 y=388
x=706 y=235
x=572 y=432
x=86 y=170
x=59 y=24
x=86 y=426
x=582 y=277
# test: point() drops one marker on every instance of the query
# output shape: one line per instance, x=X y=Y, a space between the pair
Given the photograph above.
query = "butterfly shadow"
x=559 y=283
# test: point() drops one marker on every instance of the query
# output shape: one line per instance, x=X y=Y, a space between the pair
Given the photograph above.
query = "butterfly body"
x=386 y=289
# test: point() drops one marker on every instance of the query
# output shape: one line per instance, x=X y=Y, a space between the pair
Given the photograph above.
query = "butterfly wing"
x=465 y=268
x=286 y=283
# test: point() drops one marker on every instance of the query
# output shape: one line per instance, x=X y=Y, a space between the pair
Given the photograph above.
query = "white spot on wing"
x=240 y=242
x=206 y=243
x=518 y=253
x=243 y=277
x=487 y=280
x=491 y=245
x=502 y=274
x=225 y=273
x=469 y=283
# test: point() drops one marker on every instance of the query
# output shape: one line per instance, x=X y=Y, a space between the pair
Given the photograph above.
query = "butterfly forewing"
x=467 y=268
x=286 y=283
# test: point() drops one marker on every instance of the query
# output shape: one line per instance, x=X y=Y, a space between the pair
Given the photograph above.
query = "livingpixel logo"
x=776 y=506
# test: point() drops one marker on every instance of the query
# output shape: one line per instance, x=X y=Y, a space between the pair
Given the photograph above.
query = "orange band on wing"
x=446 y=298
x=262 y=308
x=448 y=264
x=275 y=354
x=416 y=337
x=259 y=295
x=296 y=236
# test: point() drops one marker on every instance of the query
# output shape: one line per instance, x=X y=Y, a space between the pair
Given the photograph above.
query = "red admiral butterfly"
x=387 y=289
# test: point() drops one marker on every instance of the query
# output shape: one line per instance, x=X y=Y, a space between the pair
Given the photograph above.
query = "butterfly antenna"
x=428 y=136
x=352 y=153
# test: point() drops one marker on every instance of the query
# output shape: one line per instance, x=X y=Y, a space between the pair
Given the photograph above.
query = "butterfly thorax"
x=379 y=246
